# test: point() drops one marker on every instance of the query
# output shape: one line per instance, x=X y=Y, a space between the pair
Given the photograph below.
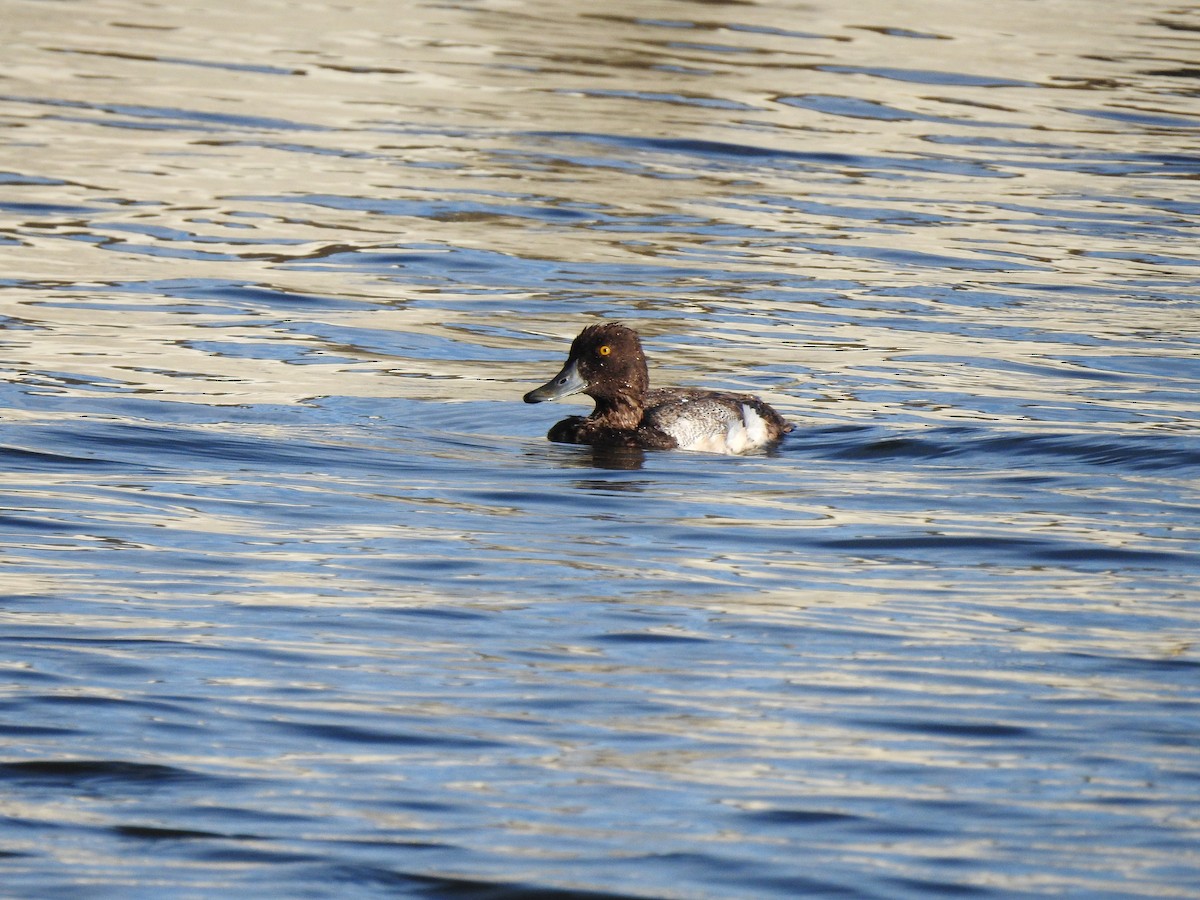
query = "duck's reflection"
x=615 y=457
x=586 y=456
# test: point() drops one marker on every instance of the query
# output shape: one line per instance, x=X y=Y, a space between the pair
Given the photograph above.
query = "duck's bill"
x=564 y=384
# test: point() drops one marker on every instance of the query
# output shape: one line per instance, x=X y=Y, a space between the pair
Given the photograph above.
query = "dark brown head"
x=607 y=364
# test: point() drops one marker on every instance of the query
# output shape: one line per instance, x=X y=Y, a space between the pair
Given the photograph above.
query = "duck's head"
x=605 y=362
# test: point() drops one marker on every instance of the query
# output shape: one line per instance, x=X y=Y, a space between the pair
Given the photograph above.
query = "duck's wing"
x=713 y=421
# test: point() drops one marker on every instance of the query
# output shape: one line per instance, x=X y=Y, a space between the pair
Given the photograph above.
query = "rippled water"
x=298 y=600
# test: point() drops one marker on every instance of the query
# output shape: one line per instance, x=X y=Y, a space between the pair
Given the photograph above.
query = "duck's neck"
x=623 y=410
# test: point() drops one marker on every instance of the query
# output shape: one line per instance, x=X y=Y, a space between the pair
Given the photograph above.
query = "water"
x=298 y=600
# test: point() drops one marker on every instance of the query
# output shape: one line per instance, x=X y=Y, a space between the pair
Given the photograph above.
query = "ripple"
x=1131 y=453
x=162 y=117
x=83 y=772
x=924 y=76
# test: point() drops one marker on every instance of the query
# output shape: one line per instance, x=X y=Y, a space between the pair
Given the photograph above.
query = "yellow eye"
x=604 y=350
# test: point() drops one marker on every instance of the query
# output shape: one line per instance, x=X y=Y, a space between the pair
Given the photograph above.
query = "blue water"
x=297 y=599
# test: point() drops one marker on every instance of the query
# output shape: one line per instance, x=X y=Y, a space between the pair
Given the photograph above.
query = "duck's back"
x=713 y=421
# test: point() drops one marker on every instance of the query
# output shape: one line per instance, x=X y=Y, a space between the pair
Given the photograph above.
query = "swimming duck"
x=607 y=364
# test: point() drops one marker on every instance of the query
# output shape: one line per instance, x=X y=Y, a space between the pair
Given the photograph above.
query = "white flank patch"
x=747 y=434
x=737 y=435
x=756 y=427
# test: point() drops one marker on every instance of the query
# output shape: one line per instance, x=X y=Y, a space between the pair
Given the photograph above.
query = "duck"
x=606 y=363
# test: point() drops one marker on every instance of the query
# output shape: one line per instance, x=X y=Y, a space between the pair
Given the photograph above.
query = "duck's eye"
x=604 y=350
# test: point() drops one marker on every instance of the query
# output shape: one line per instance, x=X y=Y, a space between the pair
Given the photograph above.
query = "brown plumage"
x=606 y=363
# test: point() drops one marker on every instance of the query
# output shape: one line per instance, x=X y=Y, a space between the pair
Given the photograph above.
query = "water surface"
x=297 y=599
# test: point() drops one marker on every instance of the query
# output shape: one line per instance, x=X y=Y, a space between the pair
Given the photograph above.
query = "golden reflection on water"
x=385 y=103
